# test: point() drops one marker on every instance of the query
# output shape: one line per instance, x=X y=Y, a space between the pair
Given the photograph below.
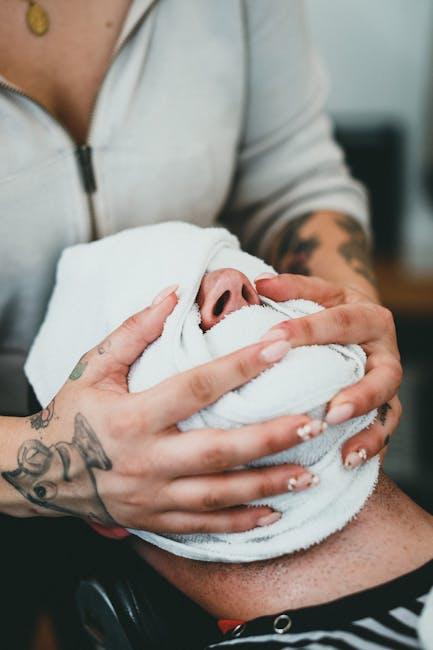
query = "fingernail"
x=269 y=519
x=340 y=413
x=164 y=294
x=355 y=459
x=311 y=429
x=302 y=482
x=273 y=335
x=265 y=276
x=275 y=351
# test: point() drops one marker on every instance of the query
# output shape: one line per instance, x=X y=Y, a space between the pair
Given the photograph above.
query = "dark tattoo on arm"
x=42 y=419
x=382 y=413
x=291 y=252
x=356 y=250
x=53 y=477
x=78 y=370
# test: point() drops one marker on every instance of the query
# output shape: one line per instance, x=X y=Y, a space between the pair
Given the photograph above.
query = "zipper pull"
x=84 y=156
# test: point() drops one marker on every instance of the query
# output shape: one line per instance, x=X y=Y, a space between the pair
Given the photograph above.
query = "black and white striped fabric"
x=385 y=617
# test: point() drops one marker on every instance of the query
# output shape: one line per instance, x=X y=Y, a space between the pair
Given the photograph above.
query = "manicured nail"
x=340 y=413
x=269 y=519
x=275 y=351
x=265 y=276
x=355 y=459
x=311 y=429
x=273 y=335
x=302 y=482
x=164 y=294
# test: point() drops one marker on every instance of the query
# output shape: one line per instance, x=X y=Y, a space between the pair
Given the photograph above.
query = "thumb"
x=128 y=341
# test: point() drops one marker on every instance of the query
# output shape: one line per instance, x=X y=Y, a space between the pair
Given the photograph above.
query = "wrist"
x=13 y=432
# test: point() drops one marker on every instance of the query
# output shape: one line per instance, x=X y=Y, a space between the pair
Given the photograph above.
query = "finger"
x=378 y=386
x=369 y=442
x=290 y=287
x=203 y=451
x=231 y=520
x=127 y=342
x=214 y=450
x=345 y=324
x=219 y=491
x=180 y=396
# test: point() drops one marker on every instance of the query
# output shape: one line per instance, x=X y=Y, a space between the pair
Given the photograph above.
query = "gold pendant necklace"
x=37 y=19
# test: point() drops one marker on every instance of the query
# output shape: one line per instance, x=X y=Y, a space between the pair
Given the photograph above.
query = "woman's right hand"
x=117 y=459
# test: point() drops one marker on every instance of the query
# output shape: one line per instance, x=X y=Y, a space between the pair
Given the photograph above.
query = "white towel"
x=100 y=284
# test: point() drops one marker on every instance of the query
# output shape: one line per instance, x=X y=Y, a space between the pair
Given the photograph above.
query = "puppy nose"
x=222 y=292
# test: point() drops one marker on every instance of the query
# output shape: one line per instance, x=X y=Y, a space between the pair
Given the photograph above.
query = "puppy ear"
x=88 y=444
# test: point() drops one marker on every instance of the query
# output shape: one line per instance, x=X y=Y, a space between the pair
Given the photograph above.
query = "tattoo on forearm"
x=78 y=370
x=42 y=419
x=53 y=477
x=356 y=250
x=382 y=413
x=291 y=251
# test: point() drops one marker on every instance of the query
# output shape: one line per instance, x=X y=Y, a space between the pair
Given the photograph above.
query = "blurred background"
x=379 y=62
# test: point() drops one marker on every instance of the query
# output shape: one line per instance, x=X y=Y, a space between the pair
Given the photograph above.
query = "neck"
x=390 y=537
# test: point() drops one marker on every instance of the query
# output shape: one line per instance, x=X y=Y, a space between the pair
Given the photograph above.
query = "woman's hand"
x=117 y=459
x=350 y=317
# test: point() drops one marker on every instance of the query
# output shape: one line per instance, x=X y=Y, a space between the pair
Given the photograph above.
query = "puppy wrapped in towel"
x=102 y=283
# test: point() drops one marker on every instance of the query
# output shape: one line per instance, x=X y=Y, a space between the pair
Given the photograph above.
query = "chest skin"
x=63 y=69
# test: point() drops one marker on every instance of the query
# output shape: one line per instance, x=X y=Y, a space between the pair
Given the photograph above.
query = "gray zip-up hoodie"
x=208 y=108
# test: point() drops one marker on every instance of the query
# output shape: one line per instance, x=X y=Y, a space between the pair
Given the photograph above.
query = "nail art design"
x=311 y=430
x=355 y=459
x=302 y=482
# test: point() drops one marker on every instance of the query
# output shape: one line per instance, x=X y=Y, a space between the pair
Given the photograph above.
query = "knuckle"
x=216 y=458
x=266 y=485
x=212 y=501
x=303 y=328
x=201 y=386
x=386 y=316
x=270 y=438
x=243 y=368
x=131 y=323
x=397 y=372
x=343 y=319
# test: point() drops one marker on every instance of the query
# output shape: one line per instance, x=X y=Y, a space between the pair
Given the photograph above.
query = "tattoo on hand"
x=291 y=251
x=382 y=413
x=53 y=477
x=42 y=419
x=356 y=250
x=78 y=370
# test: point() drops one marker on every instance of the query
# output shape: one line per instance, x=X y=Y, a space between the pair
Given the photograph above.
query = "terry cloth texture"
x=102 y=283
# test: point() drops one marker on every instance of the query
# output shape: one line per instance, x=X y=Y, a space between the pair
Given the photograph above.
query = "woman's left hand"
x=350 y=317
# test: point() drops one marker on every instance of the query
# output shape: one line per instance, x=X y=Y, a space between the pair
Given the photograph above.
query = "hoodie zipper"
x=83 y=154
x=83 y=151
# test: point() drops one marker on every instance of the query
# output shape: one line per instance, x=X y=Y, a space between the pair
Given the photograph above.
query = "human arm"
x=335 y=247
x=117 y=459
x=294 y=203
